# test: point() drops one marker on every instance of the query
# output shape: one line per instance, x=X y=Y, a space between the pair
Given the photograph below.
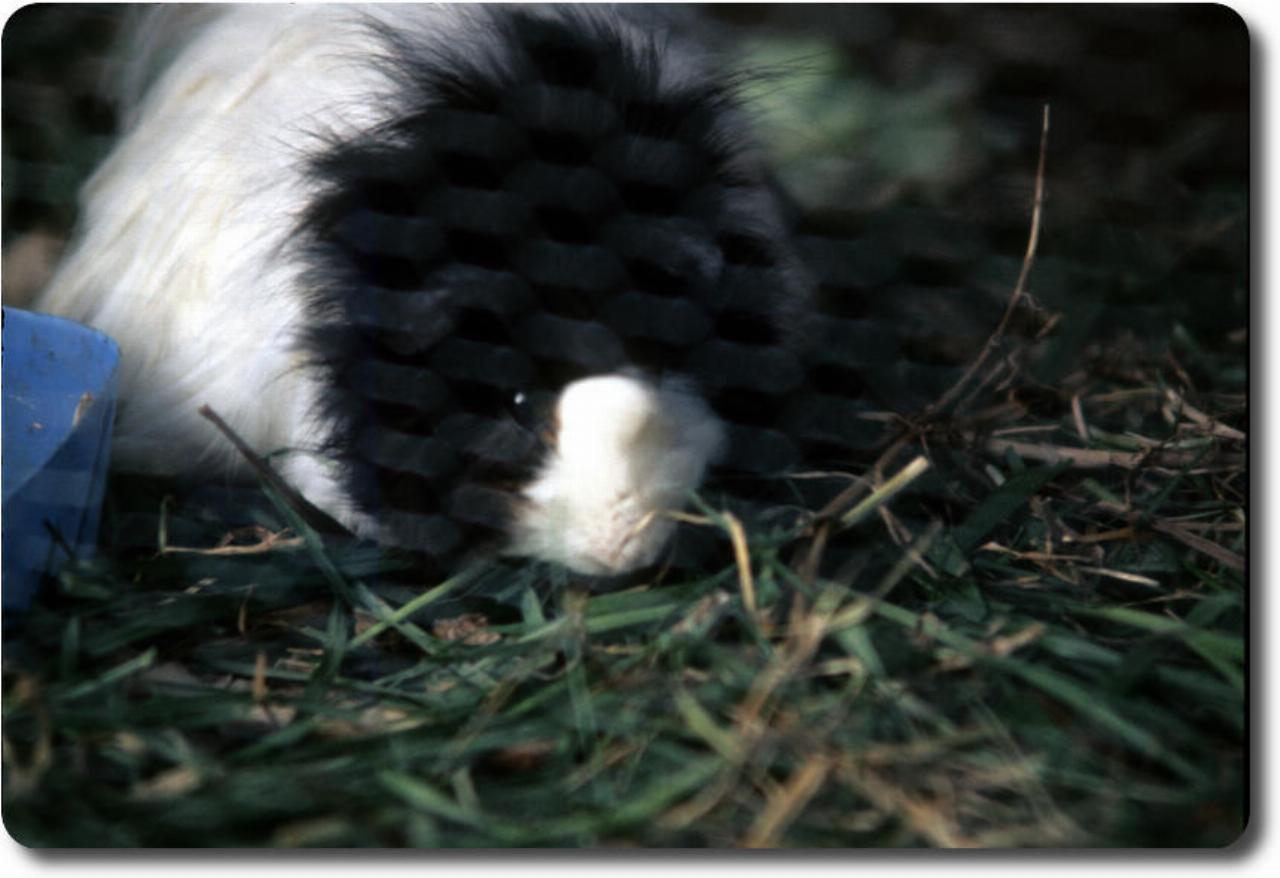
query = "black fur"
x=549 y=202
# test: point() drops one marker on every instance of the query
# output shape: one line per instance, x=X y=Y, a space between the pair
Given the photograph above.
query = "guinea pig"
x=485 y=276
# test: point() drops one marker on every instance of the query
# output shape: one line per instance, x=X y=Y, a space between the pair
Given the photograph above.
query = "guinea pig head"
x=626 y=452
x=539 y=291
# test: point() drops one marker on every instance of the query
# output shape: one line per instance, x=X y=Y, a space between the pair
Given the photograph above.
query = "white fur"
x=626 y=452
x=182 y=253
x=183 y=259
x=182 y=249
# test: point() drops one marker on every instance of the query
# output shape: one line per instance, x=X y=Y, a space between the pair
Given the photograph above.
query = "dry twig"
x=1019 y=289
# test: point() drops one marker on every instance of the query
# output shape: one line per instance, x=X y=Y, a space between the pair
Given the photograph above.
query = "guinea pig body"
x=489 y=276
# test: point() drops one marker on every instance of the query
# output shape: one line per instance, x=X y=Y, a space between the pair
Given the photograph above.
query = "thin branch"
x=1020 y=288
x=1091 y=458
x=268 y=541
x=1219 y=553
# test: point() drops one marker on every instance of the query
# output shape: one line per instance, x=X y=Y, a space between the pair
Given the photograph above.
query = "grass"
x=1024 y=627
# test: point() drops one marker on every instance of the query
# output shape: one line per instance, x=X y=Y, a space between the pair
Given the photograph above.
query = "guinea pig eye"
x=524 y=410
x=535 y=412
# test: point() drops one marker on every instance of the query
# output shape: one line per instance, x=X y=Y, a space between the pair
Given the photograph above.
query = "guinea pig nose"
x=627 y=451
x=605 y=409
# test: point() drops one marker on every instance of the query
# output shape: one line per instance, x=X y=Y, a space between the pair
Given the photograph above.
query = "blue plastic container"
x=59 y=388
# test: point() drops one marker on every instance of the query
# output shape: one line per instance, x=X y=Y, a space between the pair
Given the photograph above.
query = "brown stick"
x=1210 y=425
x=1020 y=288
x=1090 y=458
x=1219 y=553
x=268 y=542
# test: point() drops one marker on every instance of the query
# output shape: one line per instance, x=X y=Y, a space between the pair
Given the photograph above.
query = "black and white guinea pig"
x=493 y=276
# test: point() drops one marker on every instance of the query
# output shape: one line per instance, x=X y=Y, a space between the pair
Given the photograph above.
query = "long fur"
x=372 y=236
